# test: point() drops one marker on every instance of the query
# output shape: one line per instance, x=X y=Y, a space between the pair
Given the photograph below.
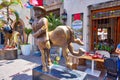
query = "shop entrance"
x=104 y=33
x=105 y=29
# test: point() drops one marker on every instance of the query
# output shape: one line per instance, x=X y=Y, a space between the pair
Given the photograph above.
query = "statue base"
x=57 y=72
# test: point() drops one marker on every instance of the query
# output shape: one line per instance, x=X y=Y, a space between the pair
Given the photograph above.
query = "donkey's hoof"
x=50 y=63
x=45 y=69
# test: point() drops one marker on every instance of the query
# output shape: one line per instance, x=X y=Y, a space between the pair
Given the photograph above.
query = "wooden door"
x=110 y=18
x=109 y=27
x=118 y=32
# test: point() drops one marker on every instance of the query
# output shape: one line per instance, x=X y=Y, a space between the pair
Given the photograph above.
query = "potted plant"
x=25 y=47
x=53 y=21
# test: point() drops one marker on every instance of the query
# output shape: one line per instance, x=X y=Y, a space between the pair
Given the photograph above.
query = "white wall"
x=23 y=12
x=80 y=6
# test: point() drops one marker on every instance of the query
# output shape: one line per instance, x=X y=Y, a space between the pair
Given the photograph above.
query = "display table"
x=8 y=54
x=57 y=72
x=87 y=57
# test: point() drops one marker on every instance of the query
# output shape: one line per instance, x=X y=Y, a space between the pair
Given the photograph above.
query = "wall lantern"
x=31 y=20
x=64 y=16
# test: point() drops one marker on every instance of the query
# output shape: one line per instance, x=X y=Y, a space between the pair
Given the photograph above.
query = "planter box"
x=8 y=54
x=25 y=49
x=2 y=55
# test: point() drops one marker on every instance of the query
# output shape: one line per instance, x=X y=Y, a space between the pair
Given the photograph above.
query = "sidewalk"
x=21 y=68
x=18 y=69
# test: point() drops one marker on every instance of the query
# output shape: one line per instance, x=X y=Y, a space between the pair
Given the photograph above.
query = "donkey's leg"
x=65 y=53
x=43 y=58
x=78 y=41
x=48 y=57
x=71 y=49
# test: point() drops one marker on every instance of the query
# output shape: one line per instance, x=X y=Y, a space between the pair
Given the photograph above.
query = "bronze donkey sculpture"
x=62 y=36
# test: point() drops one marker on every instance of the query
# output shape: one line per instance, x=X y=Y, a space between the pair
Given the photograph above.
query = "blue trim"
x=118 y=46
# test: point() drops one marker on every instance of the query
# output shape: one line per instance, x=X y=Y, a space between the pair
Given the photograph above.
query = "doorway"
x=105 y=32
x=104 y=23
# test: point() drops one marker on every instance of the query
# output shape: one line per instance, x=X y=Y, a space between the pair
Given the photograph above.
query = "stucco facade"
x=81 y=6
x=71 y=7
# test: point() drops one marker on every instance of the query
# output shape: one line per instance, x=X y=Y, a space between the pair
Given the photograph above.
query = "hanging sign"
x=36 y=2
x=77 y=25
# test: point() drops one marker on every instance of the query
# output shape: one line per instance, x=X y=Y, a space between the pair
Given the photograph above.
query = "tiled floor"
x=36 y=60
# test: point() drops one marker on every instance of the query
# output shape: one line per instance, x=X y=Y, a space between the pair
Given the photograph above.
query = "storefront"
x=105 y=23
x=101 y=20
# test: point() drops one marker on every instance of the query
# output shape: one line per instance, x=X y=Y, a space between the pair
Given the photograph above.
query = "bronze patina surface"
x=62 y=36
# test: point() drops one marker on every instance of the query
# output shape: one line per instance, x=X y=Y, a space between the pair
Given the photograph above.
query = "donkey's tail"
x=73 y=40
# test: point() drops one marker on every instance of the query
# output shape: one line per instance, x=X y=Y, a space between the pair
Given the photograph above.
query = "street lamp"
x=64 y=17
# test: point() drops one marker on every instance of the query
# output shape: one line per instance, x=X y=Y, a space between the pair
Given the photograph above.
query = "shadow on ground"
x=22 y=77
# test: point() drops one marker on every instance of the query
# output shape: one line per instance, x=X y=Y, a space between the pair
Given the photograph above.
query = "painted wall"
x=80 y=6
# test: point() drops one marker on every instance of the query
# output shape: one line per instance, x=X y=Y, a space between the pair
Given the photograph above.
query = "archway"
x=19 y=26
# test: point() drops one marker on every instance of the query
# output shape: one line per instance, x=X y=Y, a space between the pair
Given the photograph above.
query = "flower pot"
x=25 y=49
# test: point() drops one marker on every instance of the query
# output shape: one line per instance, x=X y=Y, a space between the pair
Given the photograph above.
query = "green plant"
x=27 y=32
x=1 y=23
x=6 y=4
x=103 y=47
x=53 y=21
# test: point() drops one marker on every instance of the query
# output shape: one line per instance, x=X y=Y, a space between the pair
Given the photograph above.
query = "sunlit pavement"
x=21 y=68
x=18 y=69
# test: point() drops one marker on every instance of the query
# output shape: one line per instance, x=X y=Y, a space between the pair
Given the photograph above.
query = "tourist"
x=118 y=52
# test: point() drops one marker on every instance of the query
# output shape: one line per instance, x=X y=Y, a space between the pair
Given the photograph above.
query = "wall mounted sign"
x=77 y=25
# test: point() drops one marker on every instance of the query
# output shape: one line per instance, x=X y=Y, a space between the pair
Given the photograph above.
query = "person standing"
x=118 y=62
x=118 y=49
